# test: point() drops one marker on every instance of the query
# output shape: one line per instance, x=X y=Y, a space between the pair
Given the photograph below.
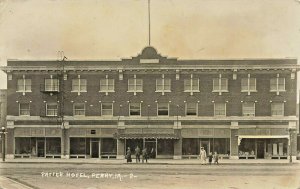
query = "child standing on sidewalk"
x=210 y=158
x=216 y=157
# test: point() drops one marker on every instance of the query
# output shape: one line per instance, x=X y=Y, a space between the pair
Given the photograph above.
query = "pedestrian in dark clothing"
x=216 y=157
x=137 y=154
x=210 y=157
x=144 y=155
x=128 y=155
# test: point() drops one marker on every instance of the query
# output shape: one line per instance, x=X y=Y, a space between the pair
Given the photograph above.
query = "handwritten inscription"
x=116 y=176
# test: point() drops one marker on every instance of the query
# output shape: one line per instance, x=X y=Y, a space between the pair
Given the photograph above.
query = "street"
x=137 y=176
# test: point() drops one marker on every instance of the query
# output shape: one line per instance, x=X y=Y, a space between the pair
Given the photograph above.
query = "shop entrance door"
x=260 y=149
x=150 y=144
x=95 y=149
x=205 y=144
x=41 y=148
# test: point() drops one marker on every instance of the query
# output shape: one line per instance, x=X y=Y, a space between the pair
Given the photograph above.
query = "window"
x=135 y=85
x=107 y=85
x=277 y=84
x=220 y=85
x=277 y=109
x=248 y=109
x=163 y=85
x=24 y=85
x=163 y=109
x=51 y=109
x=220 y=109
x=135 y=109
x=191 y=109
x=79 y=85
x=248 y=84
x=51 y=84
x=79 y=109
x=191 y=85
x=24 y=109
x=107 y=109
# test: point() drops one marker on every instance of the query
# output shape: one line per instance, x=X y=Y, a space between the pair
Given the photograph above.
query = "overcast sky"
x=114 y=29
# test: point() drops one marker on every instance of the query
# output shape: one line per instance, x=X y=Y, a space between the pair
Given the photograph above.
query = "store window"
x=248 y=109
x=165 y=147
x=107 y=109
x=53 y=146
x=220 y=109
x=108 y=146
x=162 y=109
x=277 y=109
x=107 y=85
x=79 y=109
x=23 y=145
x=191 y=109
x=51 y=109
x=24 y=109
x=221 y=146
x=190 y=146
x=135 y=109
x=79 y=146
x=51 y=84
x=247 y=147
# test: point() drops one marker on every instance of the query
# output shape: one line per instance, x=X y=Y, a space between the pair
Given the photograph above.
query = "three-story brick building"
x=96 y=109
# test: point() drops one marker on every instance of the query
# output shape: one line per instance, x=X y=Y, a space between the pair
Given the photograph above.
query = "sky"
x=115 y=29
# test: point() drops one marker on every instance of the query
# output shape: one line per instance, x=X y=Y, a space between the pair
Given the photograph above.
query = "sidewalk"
x=151 y=161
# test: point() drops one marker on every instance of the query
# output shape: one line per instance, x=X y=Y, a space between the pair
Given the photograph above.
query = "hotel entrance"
x=95 y=148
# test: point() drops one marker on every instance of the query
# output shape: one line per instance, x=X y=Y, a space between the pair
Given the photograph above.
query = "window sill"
x=254 y=91
x=23 y=91
x=166 y=91
x=223 y=91
x=78 y=91
x=277 y=91
x=106 y=91
x=195 y=91
x=134 y=91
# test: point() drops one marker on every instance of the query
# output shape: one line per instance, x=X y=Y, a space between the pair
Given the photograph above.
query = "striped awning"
x=145 y=135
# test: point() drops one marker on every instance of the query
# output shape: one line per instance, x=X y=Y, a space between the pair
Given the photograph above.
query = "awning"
x=145 y=135
x=263 y=136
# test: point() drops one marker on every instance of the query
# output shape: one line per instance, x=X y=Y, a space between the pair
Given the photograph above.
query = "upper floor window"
x=107 y=85
x=248 y=109
x=248 y=84
x=78 y=109
x=135 y=109
x=162 y=109
x=135 y=85
x=191 y=85
x=277 y=84
x=163 y=85
x=277 y=109
x=107 y=109
x=220 y=84
x=79 y=85
x=191 y=109
x=24 y=109
x=24 y=85
x=51 y=109
x=51 y=84
x=220 y=109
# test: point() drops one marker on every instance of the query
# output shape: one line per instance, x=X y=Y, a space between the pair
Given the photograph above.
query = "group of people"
x=203 y=156
x=137 y=154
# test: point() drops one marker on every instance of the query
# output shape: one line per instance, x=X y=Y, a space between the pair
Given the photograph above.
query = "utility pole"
x=3 y=133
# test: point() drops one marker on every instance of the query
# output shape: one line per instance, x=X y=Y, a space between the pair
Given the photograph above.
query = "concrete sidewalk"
x=151 y=161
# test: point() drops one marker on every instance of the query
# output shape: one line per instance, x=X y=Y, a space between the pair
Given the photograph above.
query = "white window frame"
x=134 y=84
x=25 y=87
x=277 y=90
x=112 y=109
x=243 y=109
x=219 y=87
x=140 y=109
x=80 y=80
x=74 y=110
x=157 y=108
x=186 y=108
x=54 y=110
x=164 y=81
x=189 y=86
x=20 y=110
x=272 y=104
x=225 y=110
x=104 y=88
x=248 y=90
x=54 y=84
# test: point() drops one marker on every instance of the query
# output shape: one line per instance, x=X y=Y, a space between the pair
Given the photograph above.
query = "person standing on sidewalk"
x=210 y=157
x=128 y=155
x=137 y=154
x=144 y=155
x=202 y=156
x=216 y=157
